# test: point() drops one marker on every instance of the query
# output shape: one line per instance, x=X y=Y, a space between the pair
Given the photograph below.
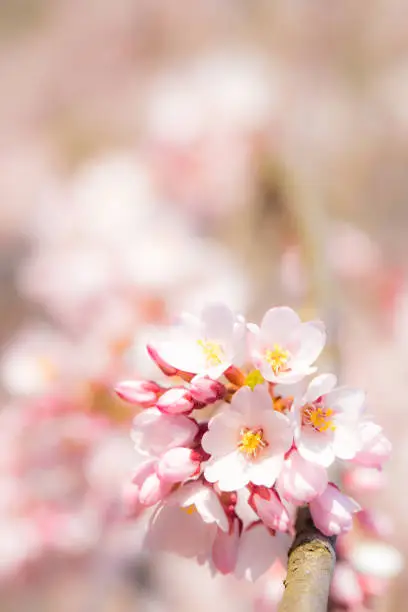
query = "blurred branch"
x=310 y=568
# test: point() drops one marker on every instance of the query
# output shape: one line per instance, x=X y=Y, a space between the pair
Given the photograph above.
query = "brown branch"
x=310 y=567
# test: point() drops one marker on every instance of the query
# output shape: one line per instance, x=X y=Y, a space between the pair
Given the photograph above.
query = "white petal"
x=346 y=401
x=278 y=431
x=347 y=442
x=210 y=509
x=218 y=321
x=266 y=471
x=222 y=436
x=278 y=324
x=242 y=402
x=230 y=471
x=316 y=447
x=320 y=385
x=308 y=342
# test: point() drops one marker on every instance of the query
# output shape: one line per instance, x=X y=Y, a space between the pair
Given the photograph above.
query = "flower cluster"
x=239 y=439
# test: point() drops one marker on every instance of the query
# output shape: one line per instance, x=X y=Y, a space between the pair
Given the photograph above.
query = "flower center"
x=317 y=417
x=189 y=509
x=277 y=358
x=213 y=351
x=282 y=404
x=251 y=441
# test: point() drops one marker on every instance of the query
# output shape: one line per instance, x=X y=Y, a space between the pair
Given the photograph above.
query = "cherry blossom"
x=230 y=450
x=326 y=421
x=247 y=441
x=208 y=345
x=187 y=522
x=284 y=348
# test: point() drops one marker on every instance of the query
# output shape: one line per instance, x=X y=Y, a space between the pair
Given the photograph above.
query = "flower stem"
x=310 y=568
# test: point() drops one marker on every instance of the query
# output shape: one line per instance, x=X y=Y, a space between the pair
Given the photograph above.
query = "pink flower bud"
x=268 y=506
x=225 y=547
x=150 y=488
x=153 y=490
x=144 y=393
x=332 y=512
x=176 y=401
x=177 y=464
x=375 y=449
x=206 y=391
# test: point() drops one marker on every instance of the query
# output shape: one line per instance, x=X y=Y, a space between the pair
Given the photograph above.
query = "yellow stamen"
x=277 y=358
x=213 y=351
x=251 y=442
x=319 y=418
x=189 y=509
x=253 y=378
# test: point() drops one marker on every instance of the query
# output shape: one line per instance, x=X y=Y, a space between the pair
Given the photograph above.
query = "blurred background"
x=154 y=156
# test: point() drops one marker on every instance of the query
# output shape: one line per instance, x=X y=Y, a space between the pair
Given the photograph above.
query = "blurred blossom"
x=161 y=167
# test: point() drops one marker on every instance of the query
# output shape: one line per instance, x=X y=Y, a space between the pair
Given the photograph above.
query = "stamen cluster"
x=235 y=438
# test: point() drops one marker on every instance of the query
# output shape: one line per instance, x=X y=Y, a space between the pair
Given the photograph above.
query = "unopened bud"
x=178 y=464
x=176 y=401
x=206 y=391
x=140 y=392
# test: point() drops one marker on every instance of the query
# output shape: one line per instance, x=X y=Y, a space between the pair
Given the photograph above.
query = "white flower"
x=206 y=345
x=186 y=523
x=247 y=441
x=326 y=421
x=284 y=348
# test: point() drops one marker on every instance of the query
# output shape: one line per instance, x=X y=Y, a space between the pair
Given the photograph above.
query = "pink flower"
x=205 y=390
x=375 y=447
x=178 y=464
x=176 y=401
x=268 y=506
x=143 y=393
x=247 y=441
x=332 y=512
x=154 y=433
x=284 y=348
x=258 y=549
x=300 y=481
x=208 y=345
x=186 y=524
x=326 y=421
x=151 y=489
